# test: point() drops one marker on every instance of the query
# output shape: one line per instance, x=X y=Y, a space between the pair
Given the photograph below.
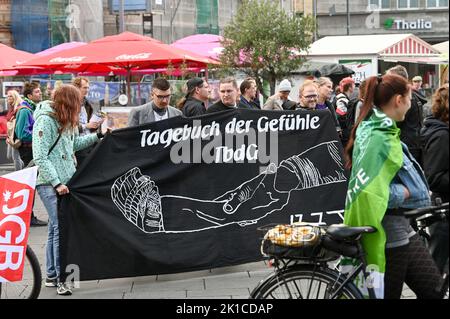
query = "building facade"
x=171 y=20
x=427 y=19
x=35 y=25
x=5 y=22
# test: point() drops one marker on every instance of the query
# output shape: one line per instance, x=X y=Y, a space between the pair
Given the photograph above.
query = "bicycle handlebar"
x=425 y=210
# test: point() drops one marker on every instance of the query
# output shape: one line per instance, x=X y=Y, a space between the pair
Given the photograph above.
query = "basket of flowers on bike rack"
x=294 y=241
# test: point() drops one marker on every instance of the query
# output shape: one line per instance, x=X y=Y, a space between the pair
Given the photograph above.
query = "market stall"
x=370 y=55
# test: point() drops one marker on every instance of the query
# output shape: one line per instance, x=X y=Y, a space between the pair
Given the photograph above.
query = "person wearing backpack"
x=24 y=129
x=13 y=101
x=345 y=109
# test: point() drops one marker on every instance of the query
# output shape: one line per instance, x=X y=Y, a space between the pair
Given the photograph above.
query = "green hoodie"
x=60 y=165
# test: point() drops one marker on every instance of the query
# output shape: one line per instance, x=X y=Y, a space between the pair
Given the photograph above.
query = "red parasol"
x=10 y=57
x=128 y=51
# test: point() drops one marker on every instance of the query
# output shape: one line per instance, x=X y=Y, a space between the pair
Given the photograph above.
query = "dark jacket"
x=193 y=107
x=412 y=124
x=250 y=105
x=330 y=108
x=435 y=141
x=218 y=107
x=88 y=107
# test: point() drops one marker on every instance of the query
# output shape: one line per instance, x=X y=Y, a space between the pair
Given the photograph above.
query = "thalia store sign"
x=402 y=24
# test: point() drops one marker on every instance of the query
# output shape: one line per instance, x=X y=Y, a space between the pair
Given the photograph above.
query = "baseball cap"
x=193 y=83
x=417 y=78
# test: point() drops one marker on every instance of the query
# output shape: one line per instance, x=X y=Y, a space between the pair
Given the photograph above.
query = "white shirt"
x=161 y=117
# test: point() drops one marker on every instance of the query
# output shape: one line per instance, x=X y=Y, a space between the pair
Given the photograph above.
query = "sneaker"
x=51 y=282
x=63 y=289
x=36 y=222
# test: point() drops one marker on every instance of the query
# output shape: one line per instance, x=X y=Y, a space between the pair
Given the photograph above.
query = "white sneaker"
x=51 y=282
x=63 y=289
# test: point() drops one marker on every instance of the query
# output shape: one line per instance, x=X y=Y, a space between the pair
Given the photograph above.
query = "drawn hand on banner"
x=138 y=198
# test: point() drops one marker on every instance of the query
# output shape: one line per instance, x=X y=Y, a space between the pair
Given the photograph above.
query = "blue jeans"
x=50 y=200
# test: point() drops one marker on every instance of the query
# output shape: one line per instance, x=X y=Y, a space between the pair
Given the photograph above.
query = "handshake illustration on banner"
x=138 y=198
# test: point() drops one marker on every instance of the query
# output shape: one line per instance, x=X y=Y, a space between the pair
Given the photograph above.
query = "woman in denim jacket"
x=407 y=260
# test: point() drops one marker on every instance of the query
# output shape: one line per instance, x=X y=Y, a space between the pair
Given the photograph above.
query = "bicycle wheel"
x=30 y=286
x=305 y=282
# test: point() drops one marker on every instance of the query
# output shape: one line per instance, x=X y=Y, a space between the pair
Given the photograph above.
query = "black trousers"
x=26 y=154
x=412 y=264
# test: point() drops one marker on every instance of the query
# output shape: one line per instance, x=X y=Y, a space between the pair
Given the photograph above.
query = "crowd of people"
x=58 y=134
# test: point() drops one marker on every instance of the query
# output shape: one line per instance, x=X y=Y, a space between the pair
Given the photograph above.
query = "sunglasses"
x=310 y=97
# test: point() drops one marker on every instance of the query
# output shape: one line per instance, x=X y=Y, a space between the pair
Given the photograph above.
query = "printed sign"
x=16 y=203
x=363 y=68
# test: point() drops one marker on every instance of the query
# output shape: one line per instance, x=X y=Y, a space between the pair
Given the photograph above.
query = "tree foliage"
x=264 y=41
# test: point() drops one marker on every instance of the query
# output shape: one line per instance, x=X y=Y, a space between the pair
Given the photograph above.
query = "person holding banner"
x=229 y=95
x=385 y=182
x=55 y=140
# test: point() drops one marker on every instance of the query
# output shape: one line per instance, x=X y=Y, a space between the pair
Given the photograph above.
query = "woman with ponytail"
x=385 y=182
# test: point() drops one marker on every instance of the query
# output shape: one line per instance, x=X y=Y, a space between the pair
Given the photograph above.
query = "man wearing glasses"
x=158 y=109
x=308 y=96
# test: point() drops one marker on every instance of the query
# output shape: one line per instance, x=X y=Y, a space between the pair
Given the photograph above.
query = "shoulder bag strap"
x=54 y=144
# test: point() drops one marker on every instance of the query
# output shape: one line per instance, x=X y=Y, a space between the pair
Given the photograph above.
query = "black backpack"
x=348 y=120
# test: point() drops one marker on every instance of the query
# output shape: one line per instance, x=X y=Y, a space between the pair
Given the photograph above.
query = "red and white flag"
x=16 y=203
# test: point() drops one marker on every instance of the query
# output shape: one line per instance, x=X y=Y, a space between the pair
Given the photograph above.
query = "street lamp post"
x=315 y=19
x=348 y=18
x=121 y=16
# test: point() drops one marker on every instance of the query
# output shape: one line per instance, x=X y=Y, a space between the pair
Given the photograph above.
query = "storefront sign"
x=402 y=24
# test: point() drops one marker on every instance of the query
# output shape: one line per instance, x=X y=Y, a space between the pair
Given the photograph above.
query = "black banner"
x=187 y=194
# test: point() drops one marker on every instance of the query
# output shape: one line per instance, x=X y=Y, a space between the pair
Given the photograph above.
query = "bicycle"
x=304 y=273
x=30 y=285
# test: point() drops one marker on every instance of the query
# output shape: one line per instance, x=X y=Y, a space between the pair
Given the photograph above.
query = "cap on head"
x=417 y=78
x=193 y=83
x=285 y=86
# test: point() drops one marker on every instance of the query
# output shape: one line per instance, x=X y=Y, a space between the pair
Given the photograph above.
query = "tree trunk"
x=273 y=83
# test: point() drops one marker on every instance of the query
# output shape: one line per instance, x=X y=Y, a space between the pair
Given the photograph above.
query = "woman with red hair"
x=55 y=140
x=385 y=182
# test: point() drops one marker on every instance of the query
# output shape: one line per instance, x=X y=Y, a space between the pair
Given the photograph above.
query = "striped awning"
x=410 y=46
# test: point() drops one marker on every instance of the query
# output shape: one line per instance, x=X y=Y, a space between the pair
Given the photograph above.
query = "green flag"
x=377 y=157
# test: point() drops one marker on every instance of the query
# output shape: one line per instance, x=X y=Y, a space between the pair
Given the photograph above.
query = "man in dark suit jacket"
x=158 y=109
x=228 y=92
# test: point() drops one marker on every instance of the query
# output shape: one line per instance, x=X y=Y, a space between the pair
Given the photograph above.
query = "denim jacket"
x=412 y=177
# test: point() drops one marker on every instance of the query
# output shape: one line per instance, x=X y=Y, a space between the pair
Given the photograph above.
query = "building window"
x=408 y=4
x=437 y=3
x=380 y=4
